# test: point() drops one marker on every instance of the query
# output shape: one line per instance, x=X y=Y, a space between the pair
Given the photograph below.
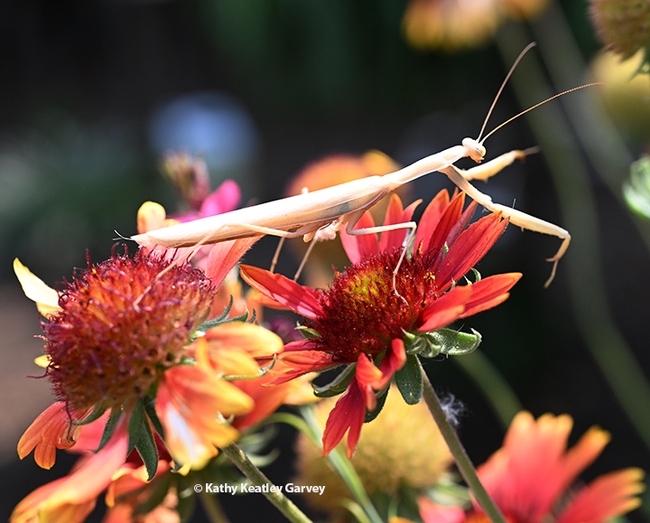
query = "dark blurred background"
x=94 y=92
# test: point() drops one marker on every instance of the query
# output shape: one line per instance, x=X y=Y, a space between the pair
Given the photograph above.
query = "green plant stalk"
x=256 y=477
x=585 y=281
x=464 y=464
x=339 y=461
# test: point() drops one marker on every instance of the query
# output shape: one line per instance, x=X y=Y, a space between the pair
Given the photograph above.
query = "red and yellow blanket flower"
x=116 y=341
x=531 y=476
x=374 y=318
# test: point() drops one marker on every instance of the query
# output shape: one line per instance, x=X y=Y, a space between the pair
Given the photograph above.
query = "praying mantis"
x=319 y=215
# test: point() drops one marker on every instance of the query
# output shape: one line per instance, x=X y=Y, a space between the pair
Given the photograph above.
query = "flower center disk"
x=363 y=313
x=121 y=324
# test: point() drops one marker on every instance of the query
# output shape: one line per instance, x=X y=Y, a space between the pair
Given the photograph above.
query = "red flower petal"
x=348 y=413
x=395 y=214
x=358 y=247
x=302 y=357
x=490 y=292
x=606 y=497
x=430 y=220
x=73 y=497
x=302 y=300
x=223 y=257
x=446 y=224
x=393 y=361
x=469 y=248
x=446 y=309
x=51 y=430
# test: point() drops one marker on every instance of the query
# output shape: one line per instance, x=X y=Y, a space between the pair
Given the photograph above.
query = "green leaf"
x=420 y=343
x=97 y=412
x=146 y=447
x=337 y=385
x=150 y=409
x=136 y=422
x=409 y=380
x=109 y=428
x=381 y=400
x=455 y=343
x=307 y=332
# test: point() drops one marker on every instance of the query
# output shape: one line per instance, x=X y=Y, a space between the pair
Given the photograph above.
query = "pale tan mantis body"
x=320 y=214
x=341 y=206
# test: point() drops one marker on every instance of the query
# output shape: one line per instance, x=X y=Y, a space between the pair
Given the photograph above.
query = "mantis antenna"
x=503 y=85
x=537 y=105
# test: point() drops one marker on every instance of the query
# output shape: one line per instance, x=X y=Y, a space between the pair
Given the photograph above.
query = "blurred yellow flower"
x=401 y=447
x=453 y=25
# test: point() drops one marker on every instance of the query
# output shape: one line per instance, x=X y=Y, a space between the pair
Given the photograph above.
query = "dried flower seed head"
x=121 y=323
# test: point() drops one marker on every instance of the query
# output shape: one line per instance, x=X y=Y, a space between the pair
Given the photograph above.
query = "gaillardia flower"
x=116 y=343
x=530 y=477
x=373 y=315
x=122 y=323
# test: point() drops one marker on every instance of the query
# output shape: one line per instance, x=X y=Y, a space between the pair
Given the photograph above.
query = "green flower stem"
x=256 y=477
x=212 y=508
x=464 y=464
x=342 y=465
x=595 y=321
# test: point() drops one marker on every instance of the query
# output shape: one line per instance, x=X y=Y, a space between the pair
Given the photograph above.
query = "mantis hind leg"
x=516 y=217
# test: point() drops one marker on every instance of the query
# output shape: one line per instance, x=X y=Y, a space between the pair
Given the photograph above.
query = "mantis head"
x=475 y=150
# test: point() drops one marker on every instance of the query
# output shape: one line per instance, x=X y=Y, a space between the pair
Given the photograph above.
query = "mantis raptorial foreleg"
x=460 y=179
x=488 y=169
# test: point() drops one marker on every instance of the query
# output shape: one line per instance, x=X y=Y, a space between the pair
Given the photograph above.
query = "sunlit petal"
x=46 y=298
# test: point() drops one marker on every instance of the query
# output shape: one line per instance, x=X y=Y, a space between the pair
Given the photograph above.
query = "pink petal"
x=224 y=199
x=431 y=512
x=302 y=300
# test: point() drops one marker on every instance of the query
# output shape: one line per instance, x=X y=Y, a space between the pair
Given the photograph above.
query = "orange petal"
x=71 y=498
x=254 y=339
x=191 y=404
x=51 y=430
x=606 y=497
